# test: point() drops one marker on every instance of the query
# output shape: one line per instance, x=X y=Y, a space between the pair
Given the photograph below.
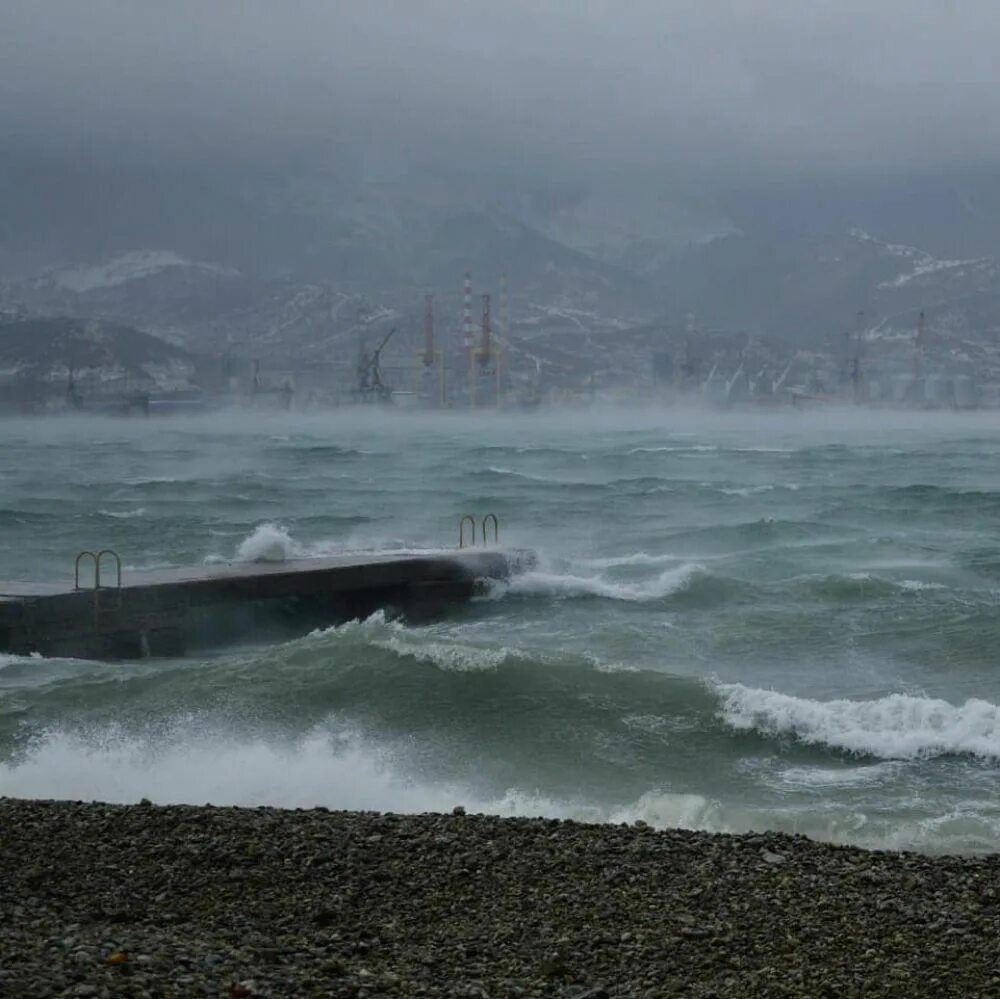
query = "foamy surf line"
x=342 y=769
x=896 y=727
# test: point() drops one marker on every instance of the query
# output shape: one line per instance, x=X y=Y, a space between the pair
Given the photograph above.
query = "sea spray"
x=268 y=543
x=336 y=766
x=565 y=586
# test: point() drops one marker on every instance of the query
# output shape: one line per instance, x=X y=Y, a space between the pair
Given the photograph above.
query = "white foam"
x=426 y=645
x=676 y=447
x=268 y=543
x=337 y=767
x=124 y=514
x=566 y=586
x=342 y=770
x=830 y=777
x=271 y=542
x=764 y=450
x=898 y=726
x=767 y=487
x=747 y=490
x=331 y=766
x=419 y=644
x=916 y=585
x=500 y=470
x=447 y=656
x=319 y=769
x=11 y=660
x=636 y=558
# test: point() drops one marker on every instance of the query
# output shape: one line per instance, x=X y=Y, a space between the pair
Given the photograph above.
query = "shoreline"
x=145 y=900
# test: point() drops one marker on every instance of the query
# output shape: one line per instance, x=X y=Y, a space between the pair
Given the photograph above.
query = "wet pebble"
x=143 y=902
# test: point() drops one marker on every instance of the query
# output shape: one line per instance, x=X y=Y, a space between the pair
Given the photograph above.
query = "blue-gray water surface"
x=739 y=621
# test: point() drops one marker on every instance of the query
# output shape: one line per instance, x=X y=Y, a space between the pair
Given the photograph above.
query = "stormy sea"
x=737 y=621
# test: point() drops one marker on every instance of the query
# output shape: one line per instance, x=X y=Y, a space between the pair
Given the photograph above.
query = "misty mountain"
x=808 y=286
x=622 y=164
x=202 y=307
x=954 y=213
x=300 y=260
x=48 y=349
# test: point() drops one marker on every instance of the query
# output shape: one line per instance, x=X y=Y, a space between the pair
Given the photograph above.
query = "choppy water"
x=738 y=622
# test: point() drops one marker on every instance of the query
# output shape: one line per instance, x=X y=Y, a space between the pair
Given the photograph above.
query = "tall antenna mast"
x=485 y=346
x=856 y=362
x=428 y=330
x=504 y=319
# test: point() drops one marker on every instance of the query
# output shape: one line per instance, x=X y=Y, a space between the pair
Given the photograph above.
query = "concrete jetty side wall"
x=165 y=612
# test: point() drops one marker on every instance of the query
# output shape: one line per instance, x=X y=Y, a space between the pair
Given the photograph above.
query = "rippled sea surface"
x=739 y=621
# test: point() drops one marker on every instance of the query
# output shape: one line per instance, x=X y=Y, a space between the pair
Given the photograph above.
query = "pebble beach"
x=137 y=901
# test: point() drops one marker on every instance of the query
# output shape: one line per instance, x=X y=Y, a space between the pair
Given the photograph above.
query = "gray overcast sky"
x=731 y=86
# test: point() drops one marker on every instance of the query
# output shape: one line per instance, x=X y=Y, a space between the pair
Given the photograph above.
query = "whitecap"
x=124 y=514
x=898 y=726
x=566 y=586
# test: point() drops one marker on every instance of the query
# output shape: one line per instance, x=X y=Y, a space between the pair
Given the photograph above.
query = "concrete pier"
x=168 y=611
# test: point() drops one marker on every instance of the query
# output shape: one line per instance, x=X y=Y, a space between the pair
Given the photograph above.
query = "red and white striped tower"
x=467 y=314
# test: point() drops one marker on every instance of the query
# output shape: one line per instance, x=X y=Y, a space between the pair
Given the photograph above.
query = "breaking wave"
x=413 y=643
x=566 y=586
x=337 y=766
x=449 y=657
x=896 y=727
x=13 y=660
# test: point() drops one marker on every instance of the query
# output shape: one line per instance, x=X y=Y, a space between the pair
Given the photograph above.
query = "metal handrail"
x=76 y=570
x=118 y=564
x=468 y=518
x=97 y=559
x=496 y=529
x=96 y=590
